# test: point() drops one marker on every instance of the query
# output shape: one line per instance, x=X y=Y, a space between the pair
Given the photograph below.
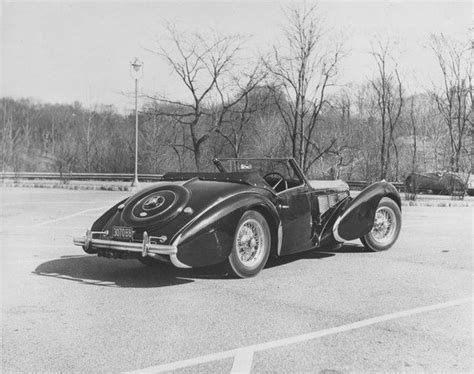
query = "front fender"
x=209 y=237
x=357 y=219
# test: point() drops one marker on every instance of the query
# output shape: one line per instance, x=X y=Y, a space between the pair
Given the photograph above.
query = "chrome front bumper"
x=146 y=247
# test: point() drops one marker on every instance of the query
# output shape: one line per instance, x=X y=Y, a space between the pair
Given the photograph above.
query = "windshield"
x=269 y=169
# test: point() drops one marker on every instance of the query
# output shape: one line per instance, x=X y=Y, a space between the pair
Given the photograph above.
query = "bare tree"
x=411 y=187
x=364 y=138
x=453 y=98
x=234 y=134
x=239 y=127
x=15 y=132
x=4 y=134
x=86 y=122
x=207 y=67
x=303 y=69
x=471 y=117
x=347 y=132
x=388 y=90
x=178 y=144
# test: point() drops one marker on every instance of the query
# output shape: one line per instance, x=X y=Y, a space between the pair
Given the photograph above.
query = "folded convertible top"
x=250 y=178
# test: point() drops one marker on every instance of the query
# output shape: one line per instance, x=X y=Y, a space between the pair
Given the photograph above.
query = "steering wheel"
x=281 y=178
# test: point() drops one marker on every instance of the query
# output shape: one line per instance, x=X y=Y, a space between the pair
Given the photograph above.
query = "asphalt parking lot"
x=408 y=309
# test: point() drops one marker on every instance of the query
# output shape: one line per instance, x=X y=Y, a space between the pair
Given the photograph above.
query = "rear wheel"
x=251 y=246
x=386 y=228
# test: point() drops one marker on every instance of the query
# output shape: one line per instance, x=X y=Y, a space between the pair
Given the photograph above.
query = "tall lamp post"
x=135 y=72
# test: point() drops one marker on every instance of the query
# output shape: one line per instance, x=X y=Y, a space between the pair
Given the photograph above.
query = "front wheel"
x=251 y=246
x=386 y=228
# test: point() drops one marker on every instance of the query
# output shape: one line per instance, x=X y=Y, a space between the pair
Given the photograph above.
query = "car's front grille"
x=328 y=201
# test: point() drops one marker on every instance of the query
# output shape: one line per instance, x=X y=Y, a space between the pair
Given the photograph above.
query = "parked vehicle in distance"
x=239 y=216
x=437 y=183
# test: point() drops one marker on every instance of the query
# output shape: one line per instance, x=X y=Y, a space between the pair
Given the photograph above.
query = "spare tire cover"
x=155 y=206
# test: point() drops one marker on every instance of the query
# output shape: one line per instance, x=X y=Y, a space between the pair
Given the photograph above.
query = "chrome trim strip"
x=146 y=243
x=280 y=238
x=174 y=257
x=338 y=220
x=144 y=247
x=159 y=257
x=335 y=227
x=177 y=240
x=88 y=237
x=177 y=263
x=79 y=240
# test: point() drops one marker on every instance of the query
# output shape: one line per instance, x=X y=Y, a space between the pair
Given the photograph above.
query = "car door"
x=294 y=206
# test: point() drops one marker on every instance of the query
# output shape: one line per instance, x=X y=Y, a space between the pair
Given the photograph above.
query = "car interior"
x=277 y=173
x=279 y=183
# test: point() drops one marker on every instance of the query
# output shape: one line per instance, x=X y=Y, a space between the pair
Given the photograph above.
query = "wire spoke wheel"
x=251 y=245
x=386 y=227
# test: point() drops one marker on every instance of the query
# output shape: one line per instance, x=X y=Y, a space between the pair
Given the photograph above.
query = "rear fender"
x=102 y=221
x=209 y=237
x=357 y=219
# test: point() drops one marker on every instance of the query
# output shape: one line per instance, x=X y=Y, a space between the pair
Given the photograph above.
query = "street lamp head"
x=137 y=64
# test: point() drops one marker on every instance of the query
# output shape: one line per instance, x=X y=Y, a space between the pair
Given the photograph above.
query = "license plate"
x=122 y=232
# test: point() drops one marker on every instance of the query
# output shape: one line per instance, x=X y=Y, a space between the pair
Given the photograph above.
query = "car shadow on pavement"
x=312 y=254
x=93 y=270
x=318 y=253
x=98 y=271
x=346 y=248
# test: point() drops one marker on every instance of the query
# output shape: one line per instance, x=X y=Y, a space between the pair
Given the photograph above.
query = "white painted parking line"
x=69 y=216
x=62 y=227
x=82 y=202
x=242 y=362
x=81 y=280
x=35 y=246
x=243 y=354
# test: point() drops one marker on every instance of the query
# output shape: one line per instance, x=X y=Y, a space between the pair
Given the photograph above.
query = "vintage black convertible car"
x=239 y=216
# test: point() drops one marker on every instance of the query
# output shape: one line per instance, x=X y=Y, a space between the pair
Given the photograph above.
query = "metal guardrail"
x=80 y=176
x=128 y=177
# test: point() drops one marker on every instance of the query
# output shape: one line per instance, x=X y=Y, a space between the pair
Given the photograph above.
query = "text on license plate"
x=122 y=232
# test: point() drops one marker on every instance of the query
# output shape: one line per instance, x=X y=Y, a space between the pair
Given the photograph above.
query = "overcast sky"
x=62 y=51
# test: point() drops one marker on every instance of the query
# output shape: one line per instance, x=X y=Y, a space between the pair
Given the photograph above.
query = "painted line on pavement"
x=69 y=216
x=243 y=355
x=19 y=227
x=56 y=202
x=80 y=280
x=35 y=246
x=242 y=362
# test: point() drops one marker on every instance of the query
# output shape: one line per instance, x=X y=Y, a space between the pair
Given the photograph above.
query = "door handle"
x=281 y=206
